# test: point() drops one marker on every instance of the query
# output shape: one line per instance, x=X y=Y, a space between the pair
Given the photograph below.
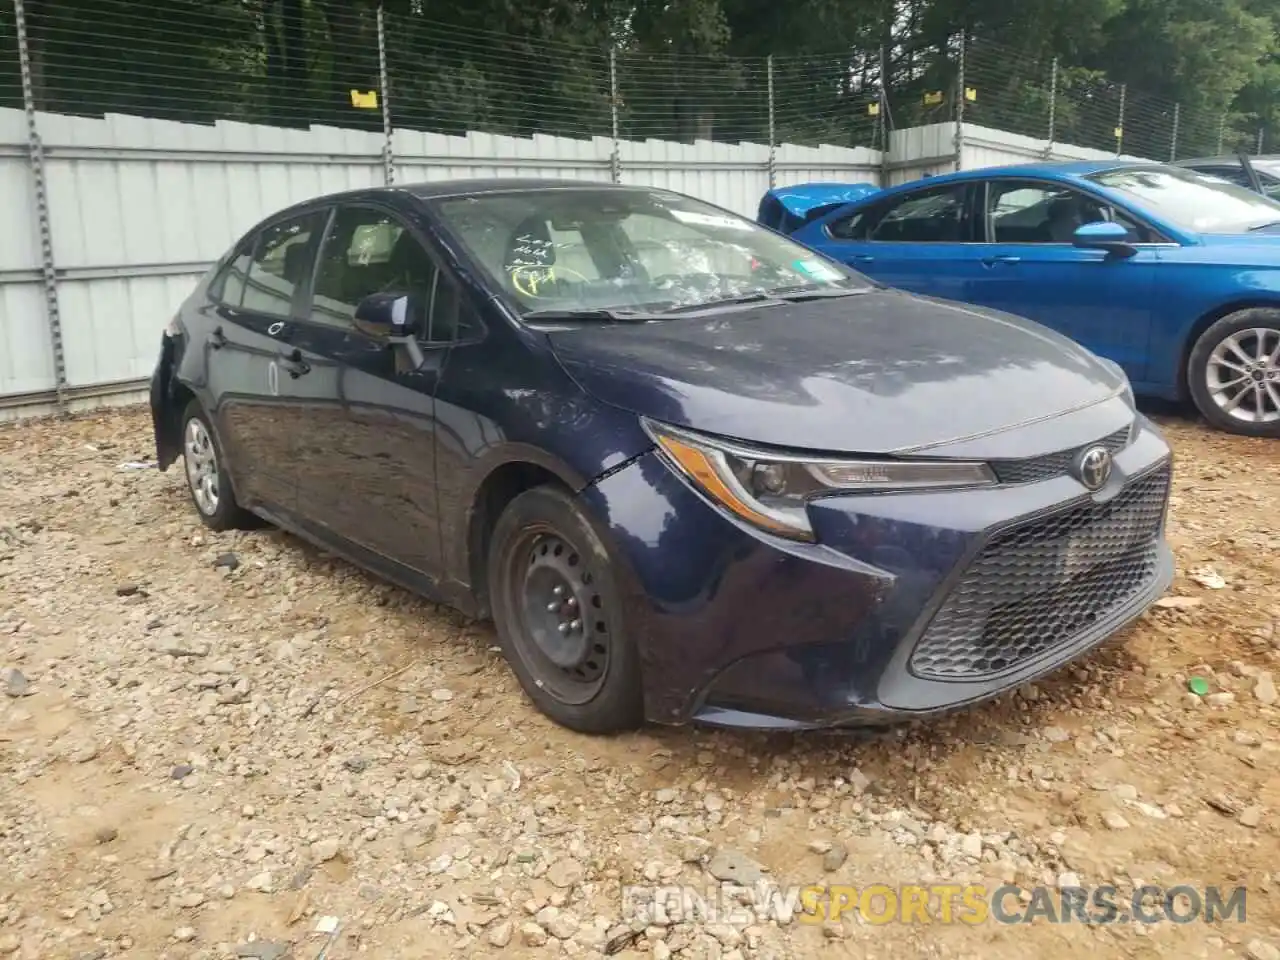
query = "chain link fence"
x=292 y=64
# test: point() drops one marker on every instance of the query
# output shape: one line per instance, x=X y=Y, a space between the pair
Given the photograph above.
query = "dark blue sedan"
x=691 y=469
x=1173 y=275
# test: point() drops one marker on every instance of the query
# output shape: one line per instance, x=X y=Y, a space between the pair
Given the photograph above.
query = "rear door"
x=367 y=447
x=922 y=241
x=255 y=302
x=1032 y=268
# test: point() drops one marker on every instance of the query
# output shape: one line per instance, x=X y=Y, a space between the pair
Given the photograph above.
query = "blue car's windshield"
x=595 y=249
x=1189 y=200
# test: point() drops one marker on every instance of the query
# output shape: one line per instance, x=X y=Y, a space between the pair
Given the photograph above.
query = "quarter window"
x=278 y=267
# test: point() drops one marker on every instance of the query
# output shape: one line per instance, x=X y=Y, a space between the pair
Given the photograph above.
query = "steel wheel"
x=562 y=630
x=1243 y=375
x=558 y=605
x=201 y=458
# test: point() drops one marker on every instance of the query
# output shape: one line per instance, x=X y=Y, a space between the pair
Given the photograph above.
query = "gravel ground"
x=209 y=744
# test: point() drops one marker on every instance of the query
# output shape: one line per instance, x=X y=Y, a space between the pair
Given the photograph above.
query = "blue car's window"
x=1022 y=212
x=610 y=249
x=1190 y=200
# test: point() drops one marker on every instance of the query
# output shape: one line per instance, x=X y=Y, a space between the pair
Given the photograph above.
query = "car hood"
x=879 y=372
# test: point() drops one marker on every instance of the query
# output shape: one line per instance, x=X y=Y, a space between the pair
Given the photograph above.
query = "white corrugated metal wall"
x=140 y=207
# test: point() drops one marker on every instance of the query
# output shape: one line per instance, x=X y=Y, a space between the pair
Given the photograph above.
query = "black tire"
x=1203 y=373
x=543 y=540
x=226 y=514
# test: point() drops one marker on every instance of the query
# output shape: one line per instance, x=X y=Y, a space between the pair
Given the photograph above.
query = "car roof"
x=463 y=187
x=1059 y=169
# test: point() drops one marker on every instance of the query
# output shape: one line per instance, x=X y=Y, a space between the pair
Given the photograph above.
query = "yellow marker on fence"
x=365 y=101
x=933 y=99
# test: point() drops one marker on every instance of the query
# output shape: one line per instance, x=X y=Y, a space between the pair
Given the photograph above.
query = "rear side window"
x=279 y=265
x=936 y=215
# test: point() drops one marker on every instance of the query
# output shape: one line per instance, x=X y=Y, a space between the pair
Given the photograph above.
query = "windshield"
x=1190 y=200
x=591 y=249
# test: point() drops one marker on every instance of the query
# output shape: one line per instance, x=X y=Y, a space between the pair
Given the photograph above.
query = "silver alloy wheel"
x=202 y=467
x=1243 y=375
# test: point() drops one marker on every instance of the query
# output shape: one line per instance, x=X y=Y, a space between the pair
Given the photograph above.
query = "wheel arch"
x=520 y=471
x=1202 y=324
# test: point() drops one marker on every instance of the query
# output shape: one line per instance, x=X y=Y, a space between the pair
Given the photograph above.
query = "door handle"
x=293 y=364
x=217 y=339
x=863 y=258
x=992 y=261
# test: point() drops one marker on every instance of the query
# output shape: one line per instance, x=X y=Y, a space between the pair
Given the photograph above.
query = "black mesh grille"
x=1036 y=586
x=1052 y=464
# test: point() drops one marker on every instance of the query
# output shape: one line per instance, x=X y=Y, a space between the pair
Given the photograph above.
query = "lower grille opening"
x=1037 y=586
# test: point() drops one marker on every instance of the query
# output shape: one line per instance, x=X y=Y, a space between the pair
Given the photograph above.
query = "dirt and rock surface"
x=197 y=758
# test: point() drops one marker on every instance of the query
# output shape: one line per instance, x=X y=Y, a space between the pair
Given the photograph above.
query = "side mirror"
x=1105 y=235
x=395 y=319
x=386 y=316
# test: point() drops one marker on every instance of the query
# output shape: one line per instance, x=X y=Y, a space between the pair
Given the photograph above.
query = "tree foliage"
x=679 y=68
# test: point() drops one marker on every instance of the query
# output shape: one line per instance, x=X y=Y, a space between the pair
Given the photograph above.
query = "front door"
x=254 y=304
x=920 y=241
x=366 y=451
x=1033 y=269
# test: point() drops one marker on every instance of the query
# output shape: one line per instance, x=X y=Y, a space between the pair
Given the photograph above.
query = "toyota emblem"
x=1093 y=468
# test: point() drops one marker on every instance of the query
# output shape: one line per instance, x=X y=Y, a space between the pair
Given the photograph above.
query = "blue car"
x=1174 y=276
x=691 y=469
x=787 y=209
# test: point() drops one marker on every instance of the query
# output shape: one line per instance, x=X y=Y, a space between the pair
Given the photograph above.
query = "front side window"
x=936 y=215
x=1021 y=212
x=279 y=265
x=1190 y=200
x=368 y=251
x=582 y=249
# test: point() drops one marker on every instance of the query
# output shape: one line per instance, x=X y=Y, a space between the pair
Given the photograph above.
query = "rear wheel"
x=206 y=473
x=1234 y=373
x=559 y=617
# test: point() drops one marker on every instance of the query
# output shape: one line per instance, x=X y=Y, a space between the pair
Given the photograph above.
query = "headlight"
x=769 y=490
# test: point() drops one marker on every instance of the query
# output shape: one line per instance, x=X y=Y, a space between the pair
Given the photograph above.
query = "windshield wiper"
x=822 y=293
x=1264 y=226
x=593 y=313
x=745 y=299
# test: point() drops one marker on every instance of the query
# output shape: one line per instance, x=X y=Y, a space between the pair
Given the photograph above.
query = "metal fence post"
x=35 y=152
x=1120 y=122
x=615 y=158
x=960 y=94
x=1173 y=140
x=773 y=140
x=1222 y=129
x=1053 y=108
x=384 y=91
x=886 y=118
x=1259 y=150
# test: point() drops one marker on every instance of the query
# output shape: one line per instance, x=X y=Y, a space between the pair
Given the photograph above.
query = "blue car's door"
x=921 y=240
x=1031 y=268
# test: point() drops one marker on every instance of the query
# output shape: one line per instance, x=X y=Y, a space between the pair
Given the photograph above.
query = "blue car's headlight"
x=769 y=489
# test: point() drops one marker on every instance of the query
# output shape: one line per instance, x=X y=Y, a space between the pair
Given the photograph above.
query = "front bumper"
x=910 y=604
